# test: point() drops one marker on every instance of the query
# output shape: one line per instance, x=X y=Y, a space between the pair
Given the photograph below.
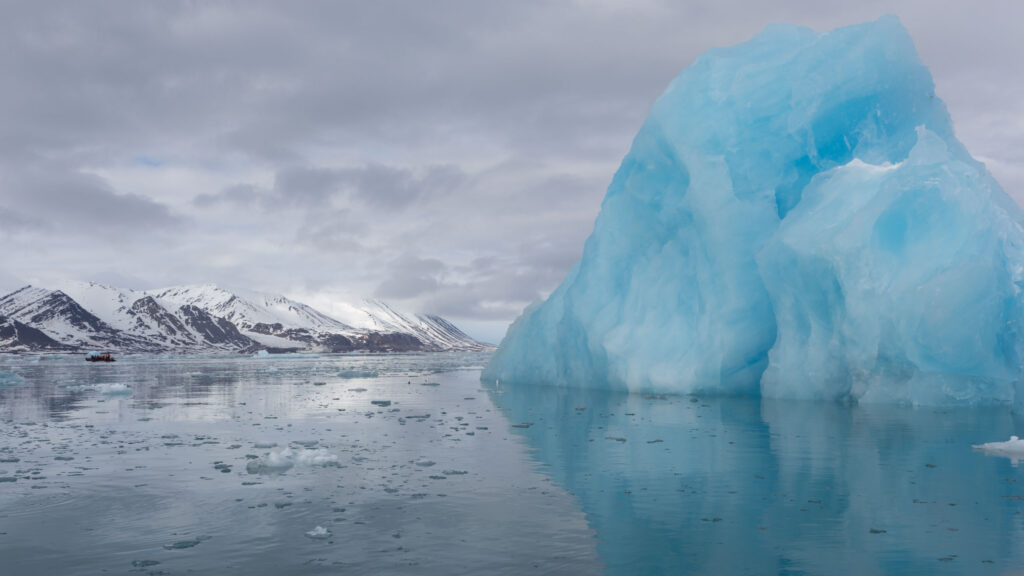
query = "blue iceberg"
x=795 y=219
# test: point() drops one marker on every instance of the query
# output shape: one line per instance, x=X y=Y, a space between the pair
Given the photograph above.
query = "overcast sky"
x=447 y=157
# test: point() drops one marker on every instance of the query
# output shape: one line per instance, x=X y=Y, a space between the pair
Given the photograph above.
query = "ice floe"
x=277 y=461
x=1012 y=449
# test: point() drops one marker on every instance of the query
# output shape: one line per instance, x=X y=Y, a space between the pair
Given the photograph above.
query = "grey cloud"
x=410 y=276
x=238 y=195
x=380 y=186
x=335 y=231
x=451 y=154
x=78 y=202
x=307 y=186
x=376 y=185
x=12 y=222
x=386 y=187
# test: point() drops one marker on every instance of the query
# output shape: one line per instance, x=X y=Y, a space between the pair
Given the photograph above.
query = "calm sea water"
x=407 y=464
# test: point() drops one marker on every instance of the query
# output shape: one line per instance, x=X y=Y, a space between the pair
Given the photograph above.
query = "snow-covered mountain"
x=90 y=315
x=276 y=321
x=19 y=337
x=250 y=311
x=61 y=318
x=208 y=318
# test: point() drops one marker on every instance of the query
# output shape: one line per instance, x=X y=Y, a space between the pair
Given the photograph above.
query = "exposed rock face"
x=213 y=330
x=64 y=320
x=18 y=337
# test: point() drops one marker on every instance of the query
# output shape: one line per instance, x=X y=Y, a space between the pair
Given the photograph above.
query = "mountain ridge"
x=208 y=318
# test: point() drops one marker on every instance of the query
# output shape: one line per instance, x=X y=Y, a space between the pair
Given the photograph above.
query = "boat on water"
x=97 y=357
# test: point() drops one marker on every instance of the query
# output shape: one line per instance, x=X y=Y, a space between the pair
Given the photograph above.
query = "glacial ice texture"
x=795 y=219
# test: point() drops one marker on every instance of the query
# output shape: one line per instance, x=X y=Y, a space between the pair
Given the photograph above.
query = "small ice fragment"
x=1012 y=449
x=319 y=533
x=278 y=461
x=353 y=373
x=8 y=379
x=381 y=403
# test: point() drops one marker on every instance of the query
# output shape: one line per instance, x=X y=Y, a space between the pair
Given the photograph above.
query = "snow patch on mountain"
x=248 y=309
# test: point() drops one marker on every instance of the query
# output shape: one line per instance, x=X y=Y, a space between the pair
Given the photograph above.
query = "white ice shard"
x=796 y=218
x=1012 y=449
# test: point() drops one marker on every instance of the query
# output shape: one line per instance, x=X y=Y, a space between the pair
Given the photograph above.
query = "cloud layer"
x=447 y=156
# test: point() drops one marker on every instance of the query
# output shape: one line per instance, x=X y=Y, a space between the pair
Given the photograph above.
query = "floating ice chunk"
x=319 y=533
x=356 y=373
x=114 y=389
x=1012 y=449
x=277 y=461
x=8 y=379
x=796 y=219
x=317 y=457
x=263 y=354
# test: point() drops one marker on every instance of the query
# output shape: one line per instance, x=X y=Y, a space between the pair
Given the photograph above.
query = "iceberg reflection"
x=686 y=485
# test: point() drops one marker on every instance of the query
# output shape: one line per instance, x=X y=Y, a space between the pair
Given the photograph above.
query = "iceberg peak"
x=795 y=218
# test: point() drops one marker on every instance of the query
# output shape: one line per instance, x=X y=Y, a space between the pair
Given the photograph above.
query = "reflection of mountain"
x=54 y=389
x=208 y=318
x=740 y=486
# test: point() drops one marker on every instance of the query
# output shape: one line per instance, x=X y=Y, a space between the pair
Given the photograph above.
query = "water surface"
x=407 y=464
x=306 y=465
x=688 y=485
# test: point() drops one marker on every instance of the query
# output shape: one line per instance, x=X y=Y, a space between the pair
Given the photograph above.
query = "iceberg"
x=794 y=219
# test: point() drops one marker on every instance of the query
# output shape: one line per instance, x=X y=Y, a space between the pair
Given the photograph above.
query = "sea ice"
x=1012 y=449
x=796 y=219
x=10 y=379
x=264 y=355
x=111 y=389
x=319 y=533
x=357 y=373
x=277 y=461
x=114 y=389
